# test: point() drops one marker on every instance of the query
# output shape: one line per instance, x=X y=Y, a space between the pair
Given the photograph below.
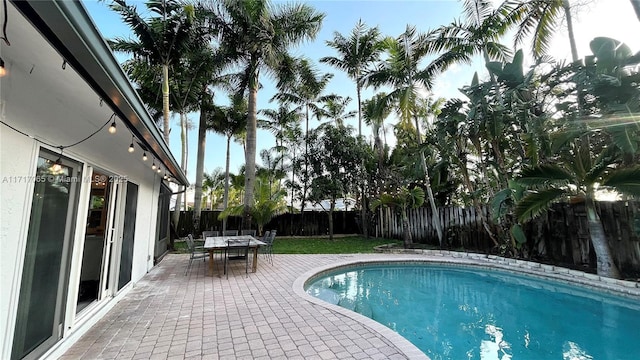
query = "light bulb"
x=56 y=167
x=144 y=156
x=112 y=128
x=131 y=148
x=153 y=166
x=165 y=176
x=3 y=71
x=159 y=170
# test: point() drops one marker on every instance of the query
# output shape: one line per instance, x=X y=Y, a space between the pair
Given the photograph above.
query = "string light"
x=56 y=167
x=112 y=128
x=3 y=71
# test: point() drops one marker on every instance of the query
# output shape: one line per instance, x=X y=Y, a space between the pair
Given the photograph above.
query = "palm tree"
x=401 y=71
x=335 y=109
x=541 y=18
x=257 y=35
x=577 y=176
x=160 y=41
x=212 y=187
x=228 y=121
x=375 y=112
x=304 y=87
x=357 y=54
x=282 y=123
x=268 y=203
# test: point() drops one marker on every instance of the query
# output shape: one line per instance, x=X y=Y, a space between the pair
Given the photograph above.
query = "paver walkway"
x=171 y=316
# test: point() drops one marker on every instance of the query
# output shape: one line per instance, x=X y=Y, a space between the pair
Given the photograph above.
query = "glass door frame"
x=61 y=307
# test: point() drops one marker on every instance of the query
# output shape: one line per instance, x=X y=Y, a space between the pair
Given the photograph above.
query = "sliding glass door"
x=128 y=232
x=45 y=273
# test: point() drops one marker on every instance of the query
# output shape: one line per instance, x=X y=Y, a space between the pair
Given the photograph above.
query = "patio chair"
x=237 y=249
x=267 y=249
x=210 y=233
x=195 y=252
x=248 y=232
x=230 y=233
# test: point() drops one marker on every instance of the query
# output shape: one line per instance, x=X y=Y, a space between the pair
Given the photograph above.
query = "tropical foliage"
x=518 y=139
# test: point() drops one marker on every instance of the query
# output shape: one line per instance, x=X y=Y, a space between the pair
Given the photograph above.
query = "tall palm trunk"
x=165 y=103
x=250 y=153
x=358 y=94
x=293 y=181
x=202 y=141
x=605 y=264
x=636 y=7
x=306 y=164
x=225 y=201
x=432 y=202
x=363 y=185
x=572 y=38
x=183 y=164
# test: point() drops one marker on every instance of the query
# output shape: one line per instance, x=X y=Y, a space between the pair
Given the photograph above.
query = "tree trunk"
x=165 y=103
x=183 y=164
x=606 y=265
x=359 y=109
x=432 y=202
x=406 y=233
x=197 y=197
x=331 y=208
x=572 y=37
x=636 y=7
x=293 y=181
x=250 y=154
x=225 y=201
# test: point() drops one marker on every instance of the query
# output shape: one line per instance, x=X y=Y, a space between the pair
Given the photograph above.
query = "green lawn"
x=342 y=245
x=310 y=245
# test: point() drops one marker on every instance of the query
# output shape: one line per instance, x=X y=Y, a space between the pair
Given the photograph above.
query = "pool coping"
x=627 y=289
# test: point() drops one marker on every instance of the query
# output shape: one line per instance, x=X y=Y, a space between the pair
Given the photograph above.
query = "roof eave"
x=69 y=28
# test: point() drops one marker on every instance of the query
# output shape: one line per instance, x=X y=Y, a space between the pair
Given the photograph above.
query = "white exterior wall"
x=18 y=160
x=60 y=114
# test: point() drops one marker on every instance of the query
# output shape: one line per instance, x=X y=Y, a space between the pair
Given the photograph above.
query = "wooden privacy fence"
x=308 y=224
x=560 y=235
x=461 y=227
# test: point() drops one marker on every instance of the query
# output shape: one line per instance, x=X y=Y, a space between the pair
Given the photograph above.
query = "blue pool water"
x=467 y=313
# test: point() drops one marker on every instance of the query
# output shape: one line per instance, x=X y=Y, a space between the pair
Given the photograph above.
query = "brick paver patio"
x=171 y=316
x=267 y=315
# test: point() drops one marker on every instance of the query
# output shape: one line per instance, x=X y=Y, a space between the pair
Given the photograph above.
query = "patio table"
x=216 y=243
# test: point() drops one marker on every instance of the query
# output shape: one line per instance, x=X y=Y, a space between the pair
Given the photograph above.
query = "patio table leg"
x=211 y=257
x=254 y=264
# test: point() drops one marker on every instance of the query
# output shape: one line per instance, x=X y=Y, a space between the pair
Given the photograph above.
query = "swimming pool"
x=454 y=312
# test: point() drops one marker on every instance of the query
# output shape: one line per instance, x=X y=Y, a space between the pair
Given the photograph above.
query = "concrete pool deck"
x=266 y=315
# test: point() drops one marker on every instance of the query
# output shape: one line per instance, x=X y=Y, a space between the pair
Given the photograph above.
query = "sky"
x=611 y=18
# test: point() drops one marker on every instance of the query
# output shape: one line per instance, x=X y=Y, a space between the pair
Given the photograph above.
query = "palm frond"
x=544 y=175
x=626 y=181
x=536 y=203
